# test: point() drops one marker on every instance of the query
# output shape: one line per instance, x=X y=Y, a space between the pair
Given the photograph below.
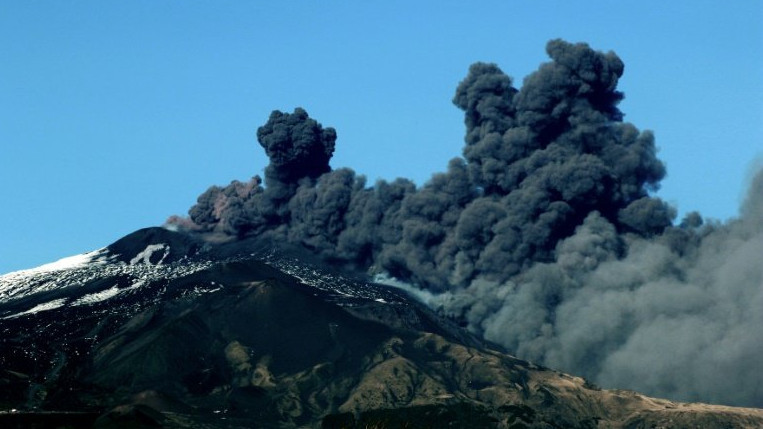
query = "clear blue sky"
x=115 y=115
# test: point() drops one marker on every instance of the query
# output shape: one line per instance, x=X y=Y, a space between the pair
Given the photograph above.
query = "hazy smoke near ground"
x=677 y=315
x=542 y=237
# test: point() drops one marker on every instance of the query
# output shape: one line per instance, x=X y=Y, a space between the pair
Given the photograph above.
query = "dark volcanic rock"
x=155 y=245
x=162 y=330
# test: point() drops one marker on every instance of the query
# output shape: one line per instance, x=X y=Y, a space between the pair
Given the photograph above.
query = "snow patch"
x=103 y=295
x=98 y=296
x=148 y=252
x=56 y=303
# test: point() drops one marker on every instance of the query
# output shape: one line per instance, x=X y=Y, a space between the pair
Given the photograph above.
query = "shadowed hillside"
x=155 y=331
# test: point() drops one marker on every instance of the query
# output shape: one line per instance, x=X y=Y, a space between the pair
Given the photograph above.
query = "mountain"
x=162 y=329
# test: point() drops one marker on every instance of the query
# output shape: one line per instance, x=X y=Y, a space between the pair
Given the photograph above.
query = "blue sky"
x=115 y=115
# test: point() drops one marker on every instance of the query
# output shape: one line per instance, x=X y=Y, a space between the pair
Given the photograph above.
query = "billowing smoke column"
x=297 y=147
x=542 y=237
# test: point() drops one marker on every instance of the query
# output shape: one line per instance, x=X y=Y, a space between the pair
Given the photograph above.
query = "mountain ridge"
x=163 y=328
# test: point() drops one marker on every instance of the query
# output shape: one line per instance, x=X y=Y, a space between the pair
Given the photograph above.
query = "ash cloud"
x=543 y=236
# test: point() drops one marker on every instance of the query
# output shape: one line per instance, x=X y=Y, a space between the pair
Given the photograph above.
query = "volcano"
x=162 y=329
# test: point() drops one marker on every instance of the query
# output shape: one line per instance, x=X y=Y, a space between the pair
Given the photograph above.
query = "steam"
x=543 y=237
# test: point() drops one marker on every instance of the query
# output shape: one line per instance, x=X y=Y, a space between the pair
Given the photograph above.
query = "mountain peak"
x=155 y=245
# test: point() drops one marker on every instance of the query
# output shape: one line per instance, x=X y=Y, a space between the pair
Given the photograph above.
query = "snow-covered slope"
x=20 y=283
x=87 y=279
x=161 y=256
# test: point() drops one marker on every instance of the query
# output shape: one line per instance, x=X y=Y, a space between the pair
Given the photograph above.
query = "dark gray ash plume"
x=543 y=236
x=297 y=146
